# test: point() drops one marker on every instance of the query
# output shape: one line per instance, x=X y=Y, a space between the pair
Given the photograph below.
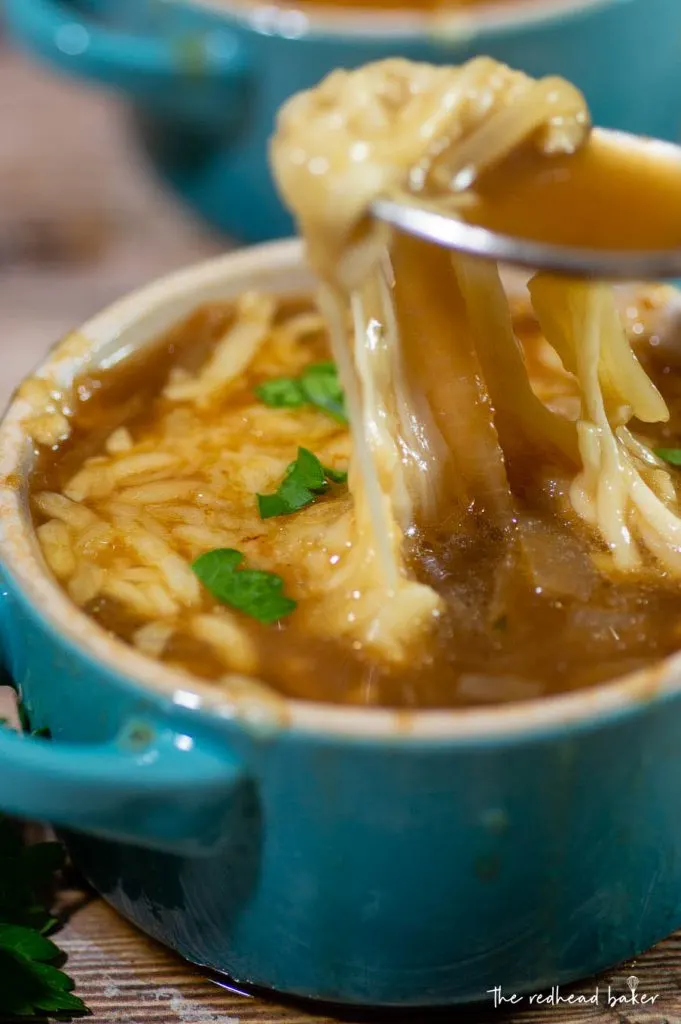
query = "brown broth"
x=507 y=634
x=605 y=196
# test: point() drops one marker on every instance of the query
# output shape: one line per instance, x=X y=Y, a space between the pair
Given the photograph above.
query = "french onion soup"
x=413 y=489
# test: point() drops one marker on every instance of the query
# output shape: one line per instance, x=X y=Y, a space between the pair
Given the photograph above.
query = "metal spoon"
x=604 y=264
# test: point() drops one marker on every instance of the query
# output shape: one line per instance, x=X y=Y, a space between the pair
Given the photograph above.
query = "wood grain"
x=82 y=220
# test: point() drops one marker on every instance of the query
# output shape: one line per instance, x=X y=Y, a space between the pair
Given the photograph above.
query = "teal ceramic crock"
x=206 y=77
x=353 y=856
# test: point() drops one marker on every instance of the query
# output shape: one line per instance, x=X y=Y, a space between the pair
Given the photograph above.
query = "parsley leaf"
x=670 y=455
x=257 y=593
x=337 y=476
x=27 y=942
x=303 y=481
x=26 y=874
x=318 y=385
x=29 y=984
x=321 y=386
x=281 y=393
x=30 y=987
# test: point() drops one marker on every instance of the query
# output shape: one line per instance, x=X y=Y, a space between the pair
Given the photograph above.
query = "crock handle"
x=166 y=792
x=199 y=78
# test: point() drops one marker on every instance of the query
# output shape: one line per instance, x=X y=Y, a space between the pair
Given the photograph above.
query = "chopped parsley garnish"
x=322 y=388
x=281 y=393
x=337 y=476
x=318 y=385
x=304 y=480
x=252 y=591
x=670 y=455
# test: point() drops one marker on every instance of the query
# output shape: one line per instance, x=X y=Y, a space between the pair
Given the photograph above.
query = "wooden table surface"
x=82 y=220
x=126 y=978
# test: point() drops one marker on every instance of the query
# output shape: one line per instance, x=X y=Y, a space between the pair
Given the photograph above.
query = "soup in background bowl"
x=206 y=77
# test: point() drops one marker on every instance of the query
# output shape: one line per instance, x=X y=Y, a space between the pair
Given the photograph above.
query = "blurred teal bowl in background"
x=207 y=76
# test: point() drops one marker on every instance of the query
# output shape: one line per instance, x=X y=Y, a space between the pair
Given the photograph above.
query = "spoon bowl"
x=649 y=157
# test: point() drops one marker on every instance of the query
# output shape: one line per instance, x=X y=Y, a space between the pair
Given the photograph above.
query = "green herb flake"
x=305 y=479
x=271 y=505
x=322 y=387
x=318 y=385
x=670 y=455
x=337 y=476
x=252 y=591
x=281 y=393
